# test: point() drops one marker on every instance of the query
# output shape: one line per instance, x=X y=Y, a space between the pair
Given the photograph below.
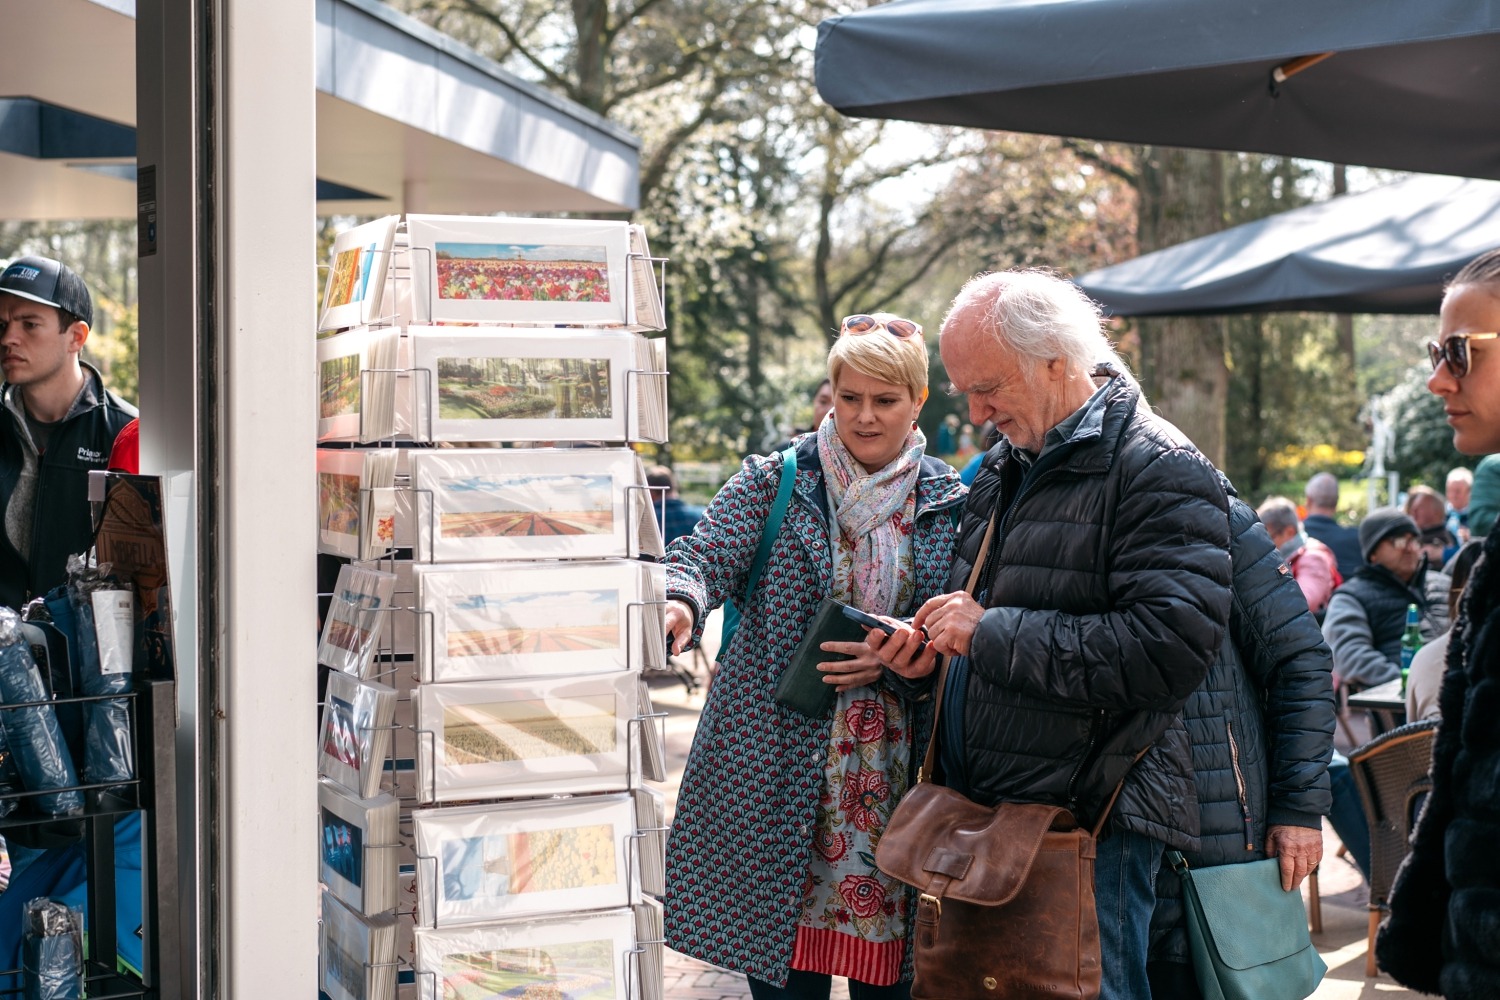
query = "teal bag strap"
x=773 y=523
x=763 y=551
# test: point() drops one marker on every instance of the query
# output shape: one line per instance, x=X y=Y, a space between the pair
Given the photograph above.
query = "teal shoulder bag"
x=763 y=552
x=1249 y=938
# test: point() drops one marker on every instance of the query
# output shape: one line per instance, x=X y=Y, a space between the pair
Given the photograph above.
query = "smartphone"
x=870 y=621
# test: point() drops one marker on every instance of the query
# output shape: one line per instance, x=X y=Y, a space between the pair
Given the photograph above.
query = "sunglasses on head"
x=1455 y=351
x=853 y=326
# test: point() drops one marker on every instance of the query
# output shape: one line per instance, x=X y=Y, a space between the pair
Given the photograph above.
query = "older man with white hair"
x=1100 y=606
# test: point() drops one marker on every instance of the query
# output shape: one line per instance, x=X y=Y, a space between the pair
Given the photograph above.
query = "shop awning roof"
x=408 y=119
x=1383 y=251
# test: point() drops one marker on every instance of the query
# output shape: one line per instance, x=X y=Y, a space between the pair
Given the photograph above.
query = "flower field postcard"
x=496 y=270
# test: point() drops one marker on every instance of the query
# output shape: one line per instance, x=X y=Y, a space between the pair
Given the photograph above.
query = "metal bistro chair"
x=1391 y=772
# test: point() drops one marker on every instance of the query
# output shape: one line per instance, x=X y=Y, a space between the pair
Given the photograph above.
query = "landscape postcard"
x=525 y=858
x=507 y=270
x=503 y=388
x=559 y=622
x=525 y=505
x=518 y=738
x=338 y=393
x=583 y=970
x=500 y=732
x=525 y=272
x=479 y=622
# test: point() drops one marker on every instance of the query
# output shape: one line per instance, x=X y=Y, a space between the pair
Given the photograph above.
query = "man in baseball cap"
x=58 y=422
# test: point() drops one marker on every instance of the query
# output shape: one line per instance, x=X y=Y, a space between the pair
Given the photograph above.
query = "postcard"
x=356 y=734
x=517 y=384
x=646 y=309
x=357 y=385
x=357 y=955
x=483 y=621
x=584 y=957
x=357 y=847
x=359 y=612
x=483 y=863
x=499 y=270
x=510 y=739
x=547 y=503
x=359 y=262
x=356 y=513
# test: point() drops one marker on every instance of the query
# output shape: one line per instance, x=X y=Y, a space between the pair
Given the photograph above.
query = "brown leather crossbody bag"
x=1006 y=893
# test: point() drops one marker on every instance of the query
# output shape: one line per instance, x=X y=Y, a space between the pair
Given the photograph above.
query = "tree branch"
x=1085 y=152
x=655 y=167
x=691 y=60
x=477 y=9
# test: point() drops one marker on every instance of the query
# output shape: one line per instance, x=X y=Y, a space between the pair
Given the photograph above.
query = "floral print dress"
x=855 y=918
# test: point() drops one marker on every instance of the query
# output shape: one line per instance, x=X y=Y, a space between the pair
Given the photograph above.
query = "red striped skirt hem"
x=832 y=953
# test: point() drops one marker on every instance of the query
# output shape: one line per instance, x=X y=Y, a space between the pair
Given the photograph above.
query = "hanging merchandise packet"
x=32 y=732
x=105 y=614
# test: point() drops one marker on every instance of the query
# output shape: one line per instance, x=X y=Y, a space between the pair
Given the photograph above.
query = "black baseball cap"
x=50 y=282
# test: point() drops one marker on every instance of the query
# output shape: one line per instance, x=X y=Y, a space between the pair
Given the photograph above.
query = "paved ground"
x=1342 y=942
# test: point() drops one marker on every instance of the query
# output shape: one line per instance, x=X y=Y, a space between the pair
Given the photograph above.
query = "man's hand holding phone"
x=896 y=644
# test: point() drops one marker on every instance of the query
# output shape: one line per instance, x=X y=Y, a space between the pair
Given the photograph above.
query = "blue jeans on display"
x=1347 y=817
x=816 y=986
x=1124 y=895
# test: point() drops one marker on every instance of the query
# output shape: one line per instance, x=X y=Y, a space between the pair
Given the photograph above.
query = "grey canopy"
x=1412 y=84
x=1384 y=251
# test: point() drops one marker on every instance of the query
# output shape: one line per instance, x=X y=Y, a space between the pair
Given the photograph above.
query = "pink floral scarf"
x=874 y=513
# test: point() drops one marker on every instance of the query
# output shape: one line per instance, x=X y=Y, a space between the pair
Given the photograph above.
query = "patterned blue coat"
x=741 y=843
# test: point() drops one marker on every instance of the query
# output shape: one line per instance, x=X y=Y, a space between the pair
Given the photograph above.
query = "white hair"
x=1278 y=514
x=1461 y=475
x=1037 y=315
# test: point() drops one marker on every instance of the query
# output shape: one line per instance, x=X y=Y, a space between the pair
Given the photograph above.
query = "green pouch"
x=1249 y=938
x=801 y=684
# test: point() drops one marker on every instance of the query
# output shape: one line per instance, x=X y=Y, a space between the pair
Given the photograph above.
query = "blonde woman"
x=770 y=864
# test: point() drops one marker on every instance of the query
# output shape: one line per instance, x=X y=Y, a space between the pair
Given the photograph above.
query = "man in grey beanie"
x=1367 y=614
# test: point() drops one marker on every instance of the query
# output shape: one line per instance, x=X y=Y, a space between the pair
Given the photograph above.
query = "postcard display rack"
x=486 y=826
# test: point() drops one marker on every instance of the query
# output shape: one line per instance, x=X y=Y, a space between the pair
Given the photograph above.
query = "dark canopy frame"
x=1383 y=251
x=1411 y=85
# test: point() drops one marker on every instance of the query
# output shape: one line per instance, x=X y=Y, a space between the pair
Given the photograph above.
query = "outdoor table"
x=1386 y=704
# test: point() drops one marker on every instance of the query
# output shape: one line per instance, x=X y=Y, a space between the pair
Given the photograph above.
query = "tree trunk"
x=590 y=21
x=1343 y=325
x=1183 y=367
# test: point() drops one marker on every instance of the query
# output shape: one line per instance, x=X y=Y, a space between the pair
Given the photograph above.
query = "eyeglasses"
x=1455 y=351
x=853 y=326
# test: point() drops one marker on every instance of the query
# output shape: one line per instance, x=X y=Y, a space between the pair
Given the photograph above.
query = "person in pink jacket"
x=1313 y=564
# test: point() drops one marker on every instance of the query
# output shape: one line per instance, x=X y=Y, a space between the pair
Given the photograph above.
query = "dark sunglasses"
x=1455 y=351
x=859 y=323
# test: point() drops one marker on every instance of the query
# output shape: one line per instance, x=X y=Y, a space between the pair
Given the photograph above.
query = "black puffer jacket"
x=1443 y=934
x=1261 y=724
x=1107 y=589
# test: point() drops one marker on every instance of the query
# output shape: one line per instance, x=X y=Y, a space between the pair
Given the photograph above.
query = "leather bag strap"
x=925 y=774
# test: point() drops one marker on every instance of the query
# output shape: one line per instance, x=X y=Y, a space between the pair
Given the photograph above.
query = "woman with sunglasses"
x=770 y=863
x=1443 y=934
